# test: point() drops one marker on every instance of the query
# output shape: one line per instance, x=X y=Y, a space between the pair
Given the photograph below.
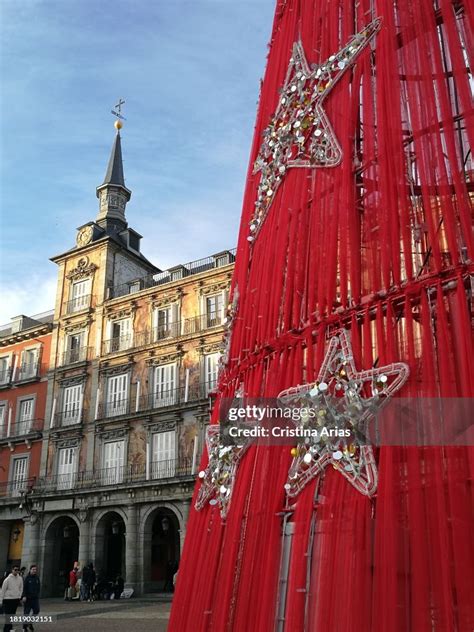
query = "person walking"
x=10 y=594
x=72 y=584
x=90 y=581
x=30 y=596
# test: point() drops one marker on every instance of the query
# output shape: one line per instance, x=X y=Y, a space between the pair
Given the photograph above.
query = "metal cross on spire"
x=118 y=109
x=299 y=134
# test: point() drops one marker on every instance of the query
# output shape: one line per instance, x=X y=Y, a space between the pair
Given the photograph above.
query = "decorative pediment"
x=214 y=288
x=116 y=369
x=163 y=426
x=83 y=270
x=117 y=313
x=165 y=358
x=213 y=347
x=72 y=381
x=165 y=300
x=109 y=435
x=66 y=442
x=73 y=327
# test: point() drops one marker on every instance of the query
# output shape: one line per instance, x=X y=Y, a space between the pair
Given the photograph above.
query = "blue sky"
x=189 y=72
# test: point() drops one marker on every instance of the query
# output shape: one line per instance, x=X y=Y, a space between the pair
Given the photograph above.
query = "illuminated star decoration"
x=229 y=324
x=343 y=399
x=299 y=133
x=219 y=476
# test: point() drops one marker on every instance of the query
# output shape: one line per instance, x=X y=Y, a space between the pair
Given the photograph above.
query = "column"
x=131 y=548
x=84 y=539
x=185 y=507
x=30 y=551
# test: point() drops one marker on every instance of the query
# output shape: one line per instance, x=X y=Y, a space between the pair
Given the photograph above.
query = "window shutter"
x=26 y=410
x=20 y=468
x=117 y=391
x=165 y=385
x=164 y=454
x=66 y=467
x=211 y=371
x=72 y=402
x=113 y=462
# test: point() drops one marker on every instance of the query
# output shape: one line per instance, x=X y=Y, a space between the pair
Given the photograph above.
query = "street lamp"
x=165 y=524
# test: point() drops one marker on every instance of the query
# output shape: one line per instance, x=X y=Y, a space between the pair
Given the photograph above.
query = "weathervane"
x=118 y=110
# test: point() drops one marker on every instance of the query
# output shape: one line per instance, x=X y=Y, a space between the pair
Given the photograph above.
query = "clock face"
x=84 y=236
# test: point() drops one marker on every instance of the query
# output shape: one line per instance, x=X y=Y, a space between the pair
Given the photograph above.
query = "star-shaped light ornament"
x=342 y=400
x=229 y=325
x=219 y=476
x=299 y=133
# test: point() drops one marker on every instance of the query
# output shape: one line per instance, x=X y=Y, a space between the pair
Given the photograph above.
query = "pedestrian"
x=23 y=571
x=72 y=584
x=84 y=583
x=10 y=594
x=90 y=581
x=118 y=586
x=31 y=593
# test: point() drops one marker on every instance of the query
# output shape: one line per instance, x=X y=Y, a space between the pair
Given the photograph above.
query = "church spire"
x=112 y=193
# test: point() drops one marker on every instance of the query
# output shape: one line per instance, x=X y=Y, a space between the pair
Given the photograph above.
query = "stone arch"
x=108 y=543
x=161 y=526
x=60 y=549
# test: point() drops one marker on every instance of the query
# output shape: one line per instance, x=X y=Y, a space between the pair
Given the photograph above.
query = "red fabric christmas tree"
x=368 y=229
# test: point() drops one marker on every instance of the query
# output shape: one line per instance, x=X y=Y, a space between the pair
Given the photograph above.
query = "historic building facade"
x=134 y=361
x=24 y=361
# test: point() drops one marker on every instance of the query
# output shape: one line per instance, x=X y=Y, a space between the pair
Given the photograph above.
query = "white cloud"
x=36 y=295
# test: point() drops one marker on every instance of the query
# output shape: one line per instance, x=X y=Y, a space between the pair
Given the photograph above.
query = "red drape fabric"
x=381 y=245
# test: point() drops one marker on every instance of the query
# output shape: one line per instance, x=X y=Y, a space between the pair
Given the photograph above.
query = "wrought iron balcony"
x=178 y=272
x=6 y=376
x=77 y=304
x=10 y=489
x=71 y=356
x=202 y=322
x=114 y=407
x=159 y=398
x=118 y=476
x=120 y=343
x=69 y=417
x=28 y=371
x=170 y=330
x=22 y=428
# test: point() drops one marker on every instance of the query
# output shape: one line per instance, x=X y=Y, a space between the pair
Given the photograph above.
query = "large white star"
x=299 y=133
x=343 y=400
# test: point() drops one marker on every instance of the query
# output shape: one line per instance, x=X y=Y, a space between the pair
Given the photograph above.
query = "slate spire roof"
x=114 y=173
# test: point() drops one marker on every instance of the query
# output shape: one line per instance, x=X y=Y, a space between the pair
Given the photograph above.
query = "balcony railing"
x=69 y=417
x=21 y=428
x=71 y=356
x=187 y=327
x=118 y=475
x=202 y=322
x=160 y=398
x=28 y=371
x=179 y=272
x=120 y=343
x=15 y=488
x=6 y=376
x=77 y=304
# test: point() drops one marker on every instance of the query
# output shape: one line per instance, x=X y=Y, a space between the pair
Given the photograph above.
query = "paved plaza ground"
x=137 y=615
